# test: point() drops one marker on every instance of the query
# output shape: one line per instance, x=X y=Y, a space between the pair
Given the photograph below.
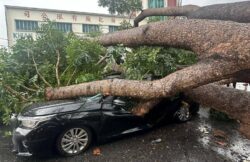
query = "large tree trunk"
x=204 y=37
x=238 y=12
x=233 y=102
x=191 y=77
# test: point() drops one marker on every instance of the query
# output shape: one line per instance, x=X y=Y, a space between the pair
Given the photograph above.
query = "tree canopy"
x=121 y=6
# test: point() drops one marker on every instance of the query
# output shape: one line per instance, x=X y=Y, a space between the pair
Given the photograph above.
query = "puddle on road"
x=237 y=147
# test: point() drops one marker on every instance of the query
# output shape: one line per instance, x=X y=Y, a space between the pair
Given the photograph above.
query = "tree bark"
x=238 y=12
x=167 y=11
x=233 y=102
x=145 y=106
x=204 y=37
x=242 y=76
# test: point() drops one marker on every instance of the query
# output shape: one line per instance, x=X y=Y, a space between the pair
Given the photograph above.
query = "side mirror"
x=119 y=102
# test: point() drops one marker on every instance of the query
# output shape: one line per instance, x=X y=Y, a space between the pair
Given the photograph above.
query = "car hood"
x=54 y=107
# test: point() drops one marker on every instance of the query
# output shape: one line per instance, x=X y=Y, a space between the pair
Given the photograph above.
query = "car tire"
x=184 y=112
x=74 y=141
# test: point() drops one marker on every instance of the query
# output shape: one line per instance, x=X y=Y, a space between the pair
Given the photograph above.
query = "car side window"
x=107 y=102
x=122 y=103
x=129 y=103
x=108 y=99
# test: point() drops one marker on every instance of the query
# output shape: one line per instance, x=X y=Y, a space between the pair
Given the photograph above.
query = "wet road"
x=193 y=141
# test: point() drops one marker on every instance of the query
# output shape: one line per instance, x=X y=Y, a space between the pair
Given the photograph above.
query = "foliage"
x=94 y=34
x=121 y=6
x=56 y=59
x=31 y=65
x=156 y=18
x=82 y=58
x=124 y=25
x=156 y=61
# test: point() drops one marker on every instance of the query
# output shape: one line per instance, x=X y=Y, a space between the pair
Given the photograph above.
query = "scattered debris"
x=156 y=141
x=97 y=151
x=221 y=143
x=203 y=129
x=221 y=137
x=219 y=134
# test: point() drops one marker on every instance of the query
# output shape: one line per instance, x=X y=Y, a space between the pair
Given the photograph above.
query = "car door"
x=117 y=119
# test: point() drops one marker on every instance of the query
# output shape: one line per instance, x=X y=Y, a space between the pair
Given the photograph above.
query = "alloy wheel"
x=183 y=114
x=74 y=141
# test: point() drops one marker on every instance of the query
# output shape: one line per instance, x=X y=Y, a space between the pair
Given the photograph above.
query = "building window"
x=155 y=3
x=113 y=28
x=88 y=28
x=64 y=27
x=26 y=25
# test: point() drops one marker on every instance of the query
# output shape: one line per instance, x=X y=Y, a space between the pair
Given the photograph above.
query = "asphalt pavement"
x=200 y=140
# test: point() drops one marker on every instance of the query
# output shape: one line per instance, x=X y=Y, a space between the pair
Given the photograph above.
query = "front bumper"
x=26 y=143
x=20 y=142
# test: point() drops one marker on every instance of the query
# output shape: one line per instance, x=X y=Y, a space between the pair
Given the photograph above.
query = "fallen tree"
x=222 y=47
x=238 y=12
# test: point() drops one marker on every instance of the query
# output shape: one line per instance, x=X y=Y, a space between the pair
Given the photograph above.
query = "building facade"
x=23 y=21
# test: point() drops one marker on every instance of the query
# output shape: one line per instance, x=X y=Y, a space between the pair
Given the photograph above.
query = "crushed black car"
x=71 y=126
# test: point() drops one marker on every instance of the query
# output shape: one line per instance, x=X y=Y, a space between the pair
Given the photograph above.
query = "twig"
x=29 y=89
x=36 y=85
x=71 y=77
x=66 y=69
x=38 y=73
x=102 y=59
x=14 y=93
x=57 y=68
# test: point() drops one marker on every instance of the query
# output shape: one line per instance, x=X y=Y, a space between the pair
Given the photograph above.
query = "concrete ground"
x=202 y=139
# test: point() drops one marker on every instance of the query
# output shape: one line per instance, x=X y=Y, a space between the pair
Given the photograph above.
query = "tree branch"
x=103 y=58
x=204 y=37
x=168 y=11
x=196 y=75
x=38 y=73
x=71 y=76
x=36 y=85
x=238 y=12
x=15 y=93
x=27 y=88
x=57 y=68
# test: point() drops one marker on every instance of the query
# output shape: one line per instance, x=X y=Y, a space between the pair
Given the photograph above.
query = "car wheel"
x=74 y=141
x=183 y=113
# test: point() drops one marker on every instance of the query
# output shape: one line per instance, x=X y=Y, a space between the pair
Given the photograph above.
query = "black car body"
x=42 y=127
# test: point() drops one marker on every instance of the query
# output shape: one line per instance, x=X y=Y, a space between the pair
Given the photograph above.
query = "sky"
x=75 y=5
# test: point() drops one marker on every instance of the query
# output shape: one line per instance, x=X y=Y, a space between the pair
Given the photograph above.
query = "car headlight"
x=32 y=122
